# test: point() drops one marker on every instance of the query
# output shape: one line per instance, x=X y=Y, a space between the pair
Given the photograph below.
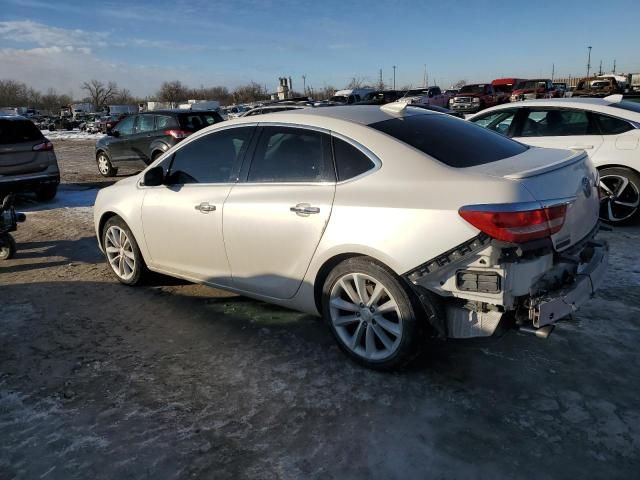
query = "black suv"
x=144 y=137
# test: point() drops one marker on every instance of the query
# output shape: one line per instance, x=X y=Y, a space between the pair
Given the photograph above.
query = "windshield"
x=531 y=85
x=452 y=141
x=472 y=89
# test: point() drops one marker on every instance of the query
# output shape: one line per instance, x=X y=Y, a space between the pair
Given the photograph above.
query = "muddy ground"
x=173 y=380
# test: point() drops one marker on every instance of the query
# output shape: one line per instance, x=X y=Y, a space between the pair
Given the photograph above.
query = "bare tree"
x=173 y=92
x=459 y=84
x=357 y=82
x=251 y=92
x=123 y=97
x=99 y=93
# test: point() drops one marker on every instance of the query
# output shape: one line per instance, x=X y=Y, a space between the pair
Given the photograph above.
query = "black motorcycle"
x=8 y=223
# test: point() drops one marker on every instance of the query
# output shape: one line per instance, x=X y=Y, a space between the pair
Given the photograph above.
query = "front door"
x=143 y=135
x=120 y=140
x=182 y=220
x=559 y=128
x=274 y=221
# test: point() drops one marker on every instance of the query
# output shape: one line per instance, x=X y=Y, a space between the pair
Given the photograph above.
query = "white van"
x=351 y=95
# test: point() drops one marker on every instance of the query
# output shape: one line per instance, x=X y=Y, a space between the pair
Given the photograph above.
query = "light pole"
x=589 y=61
x=394 y=77
x=304 y=85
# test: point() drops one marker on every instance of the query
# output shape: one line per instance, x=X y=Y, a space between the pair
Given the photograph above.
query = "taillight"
x=43 y=147
x=516 y=226
x=177 y=133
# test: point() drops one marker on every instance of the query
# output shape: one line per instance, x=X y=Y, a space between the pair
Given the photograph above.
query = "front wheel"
x=7 y=247
x=122 y=252
x=620 y=196
x=371 y=314
x=105 y=167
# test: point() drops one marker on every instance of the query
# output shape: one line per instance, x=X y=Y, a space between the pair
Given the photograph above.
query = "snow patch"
x=71 y=135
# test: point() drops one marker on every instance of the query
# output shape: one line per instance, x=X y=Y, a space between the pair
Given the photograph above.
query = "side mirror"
x=113 y=132
x=153 y=177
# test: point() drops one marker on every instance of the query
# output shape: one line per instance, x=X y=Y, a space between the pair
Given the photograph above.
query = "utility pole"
x=553 y=71
x=589 y=62
x=614 y=66
x=381 y=84
x=425 y=76
x=394 y=77
x=600 y=71
x=304 y=84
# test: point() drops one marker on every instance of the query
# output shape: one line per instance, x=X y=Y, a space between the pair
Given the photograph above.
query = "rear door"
x=559 y=128
x=17 y=139
x=143 y=134
x=274 y=220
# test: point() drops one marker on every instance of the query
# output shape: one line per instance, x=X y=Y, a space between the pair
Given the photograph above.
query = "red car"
x=532 y=89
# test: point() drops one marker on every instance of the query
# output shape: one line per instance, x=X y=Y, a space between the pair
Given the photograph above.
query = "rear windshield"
x=452 y=141
x=195 y=121
x=627 y=105
x=17 y=131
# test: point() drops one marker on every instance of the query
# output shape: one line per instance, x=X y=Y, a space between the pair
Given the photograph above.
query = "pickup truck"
x=426 y=96
x=536 y=88
x=597 y=87
x=473 y=98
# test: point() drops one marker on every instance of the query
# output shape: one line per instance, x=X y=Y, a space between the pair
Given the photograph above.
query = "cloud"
x=27 y=31
x=67 y=67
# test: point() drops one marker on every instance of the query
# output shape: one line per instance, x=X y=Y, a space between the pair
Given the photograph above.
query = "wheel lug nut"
x=357 y=314
x=372 y=309
x=361 y=305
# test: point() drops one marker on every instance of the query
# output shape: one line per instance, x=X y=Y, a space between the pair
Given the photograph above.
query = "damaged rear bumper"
x=482 y=282
x=556 y=305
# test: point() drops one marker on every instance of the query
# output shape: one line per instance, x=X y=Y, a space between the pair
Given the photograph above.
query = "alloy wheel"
x=120 y=254
x=103 y=164
x=620 y=198
x=365 y=316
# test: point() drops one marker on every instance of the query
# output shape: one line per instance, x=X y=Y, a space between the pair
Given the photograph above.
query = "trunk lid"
x=553 y=177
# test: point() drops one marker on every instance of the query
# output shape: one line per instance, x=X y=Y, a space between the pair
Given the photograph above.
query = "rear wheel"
x=46 y=193
x=105 y=166
x=7 y=247
x=122 y=252
x=371 y=314
x=620 y=196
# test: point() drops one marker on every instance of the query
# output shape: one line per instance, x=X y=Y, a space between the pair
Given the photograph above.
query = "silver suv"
x=27 y=160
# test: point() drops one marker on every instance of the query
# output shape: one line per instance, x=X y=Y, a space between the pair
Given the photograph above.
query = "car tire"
x=105 y=167
x=155 y=155
x=620 y=196
x=7 y=248
x=46 y=192
x=122 y=252
x=371 y=313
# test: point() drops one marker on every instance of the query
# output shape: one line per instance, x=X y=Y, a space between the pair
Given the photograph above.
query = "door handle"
x=581 y=147
x=304 y=209
x=205 y=207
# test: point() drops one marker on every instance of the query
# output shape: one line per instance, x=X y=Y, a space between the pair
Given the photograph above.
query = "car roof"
x=586 y=103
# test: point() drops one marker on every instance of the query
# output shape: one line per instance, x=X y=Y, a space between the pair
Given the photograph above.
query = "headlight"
x=476 y=100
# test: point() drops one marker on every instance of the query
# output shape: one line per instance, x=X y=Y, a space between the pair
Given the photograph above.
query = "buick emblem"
x=586 y=186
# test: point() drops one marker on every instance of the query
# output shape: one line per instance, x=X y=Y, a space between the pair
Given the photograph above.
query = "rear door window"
x=285 y=154
x=196 y=121
x=452 y=141
x=18 y=131
x=212 y=158
x=557 y=123
x=145 y=123
x=350 y=162
x=166 y=121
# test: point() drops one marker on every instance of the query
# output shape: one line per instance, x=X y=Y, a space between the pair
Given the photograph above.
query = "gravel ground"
x=174 y=380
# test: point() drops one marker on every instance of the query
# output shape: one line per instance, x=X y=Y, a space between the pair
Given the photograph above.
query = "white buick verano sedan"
x=392 y=222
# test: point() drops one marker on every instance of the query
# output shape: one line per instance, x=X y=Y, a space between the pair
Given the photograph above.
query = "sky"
x=139 y=44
